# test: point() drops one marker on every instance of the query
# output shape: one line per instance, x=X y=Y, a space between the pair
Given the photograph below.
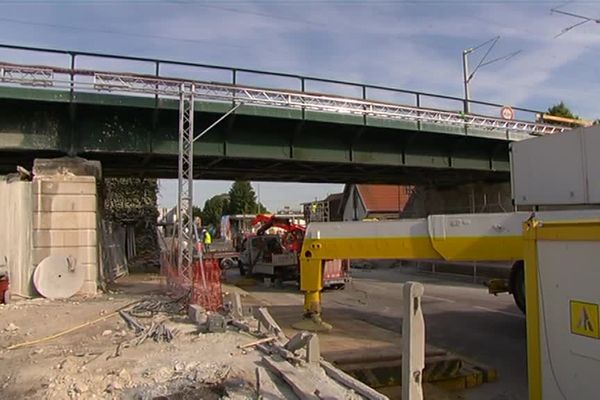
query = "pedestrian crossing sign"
x=584 y=319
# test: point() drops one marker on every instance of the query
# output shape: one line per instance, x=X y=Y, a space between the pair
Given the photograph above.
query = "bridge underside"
x=118 y=165
x=139 y=137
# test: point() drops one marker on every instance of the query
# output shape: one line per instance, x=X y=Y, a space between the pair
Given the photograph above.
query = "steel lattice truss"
x=185 y=223
x=112 y=82
x=31 y=76
x=323 y=103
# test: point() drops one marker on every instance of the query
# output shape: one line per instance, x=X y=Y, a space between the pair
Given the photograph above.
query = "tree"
x=214 y=208
x=196 y=212
x=561 y=110
x=262 y=209
x=242 y=199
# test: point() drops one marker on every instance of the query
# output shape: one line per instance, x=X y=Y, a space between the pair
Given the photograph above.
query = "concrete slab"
x=65 y=238
x=64 y=220
x=66 y=185
x=83 y=255
x=65 y=202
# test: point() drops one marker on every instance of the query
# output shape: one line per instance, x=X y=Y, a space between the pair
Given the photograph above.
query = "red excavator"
x=335 y=272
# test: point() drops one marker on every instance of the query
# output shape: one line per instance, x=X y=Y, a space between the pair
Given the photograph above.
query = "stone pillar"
x=64 y=223
x=65 y=215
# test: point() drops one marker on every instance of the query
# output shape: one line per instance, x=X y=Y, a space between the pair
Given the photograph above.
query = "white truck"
x=265 y=255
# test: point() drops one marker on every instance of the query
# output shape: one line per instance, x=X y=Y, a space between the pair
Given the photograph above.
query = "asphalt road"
x=460 y=317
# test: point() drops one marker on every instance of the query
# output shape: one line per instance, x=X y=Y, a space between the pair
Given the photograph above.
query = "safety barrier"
x=206 y=289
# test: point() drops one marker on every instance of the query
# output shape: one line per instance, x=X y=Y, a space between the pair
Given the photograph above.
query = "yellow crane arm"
x=460 y=237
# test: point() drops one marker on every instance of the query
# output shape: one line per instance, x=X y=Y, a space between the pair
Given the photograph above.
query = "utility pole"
x=465 y=55
x=468 y=75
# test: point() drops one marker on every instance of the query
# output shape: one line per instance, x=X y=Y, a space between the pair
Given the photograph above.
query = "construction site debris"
x=216 y=323
x=132 y=323
x=301 y=380
x=239 y=325
x=197 y=314
x=11 y=328
x=233 y=305
x=348 y=381
x=267 y=322
x=67 y=331
x=259 y=341
x=131 y=202
x=151 y=306
x=157 y=331
x=309 y=341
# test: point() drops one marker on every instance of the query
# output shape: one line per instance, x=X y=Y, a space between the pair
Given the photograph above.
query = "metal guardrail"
x=46 y=76
x=33 y=76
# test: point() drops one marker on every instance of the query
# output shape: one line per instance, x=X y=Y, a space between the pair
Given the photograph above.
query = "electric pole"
x=468 y=76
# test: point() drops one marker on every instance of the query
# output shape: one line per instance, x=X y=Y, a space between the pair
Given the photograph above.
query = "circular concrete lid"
x=58 y=277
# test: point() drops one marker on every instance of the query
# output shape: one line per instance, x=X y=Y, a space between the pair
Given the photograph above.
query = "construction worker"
x=206 y=240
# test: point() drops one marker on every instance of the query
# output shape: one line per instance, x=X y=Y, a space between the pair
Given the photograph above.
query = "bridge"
x=126 y=115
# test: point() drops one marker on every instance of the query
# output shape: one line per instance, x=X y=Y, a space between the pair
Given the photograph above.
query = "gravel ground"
x=104 y=361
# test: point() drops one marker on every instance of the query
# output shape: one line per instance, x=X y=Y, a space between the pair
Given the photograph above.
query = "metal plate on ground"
x=58 y=277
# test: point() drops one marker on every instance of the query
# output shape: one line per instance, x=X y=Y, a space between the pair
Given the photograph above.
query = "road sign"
x=584 y=319
x=507 y=112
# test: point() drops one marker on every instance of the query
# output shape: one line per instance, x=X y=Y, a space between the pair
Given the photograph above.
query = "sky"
x=412 y=44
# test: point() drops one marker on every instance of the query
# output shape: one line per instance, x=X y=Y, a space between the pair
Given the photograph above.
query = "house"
x=361 y=202
x=325 y=210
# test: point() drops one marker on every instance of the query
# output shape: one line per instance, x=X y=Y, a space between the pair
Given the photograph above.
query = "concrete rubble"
x=152 y=346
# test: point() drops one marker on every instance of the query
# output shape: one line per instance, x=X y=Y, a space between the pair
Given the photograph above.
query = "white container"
x=561 y=169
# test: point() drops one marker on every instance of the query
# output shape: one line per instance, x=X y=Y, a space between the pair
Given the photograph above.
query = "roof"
x=334 y=197
x=384 y=198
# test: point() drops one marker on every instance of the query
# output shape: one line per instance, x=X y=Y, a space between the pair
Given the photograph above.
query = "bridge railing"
x=369 y=99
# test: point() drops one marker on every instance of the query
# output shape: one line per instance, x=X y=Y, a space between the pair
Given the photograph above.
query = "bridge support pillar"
x=66 y=215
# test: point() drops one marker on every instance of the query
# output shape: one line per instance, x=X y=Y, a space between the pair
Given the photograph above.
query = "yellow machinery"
x=559 y=248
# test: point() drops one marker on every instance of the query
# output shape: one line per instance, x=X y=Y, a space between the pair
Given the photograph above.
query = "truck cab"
x=265 y=255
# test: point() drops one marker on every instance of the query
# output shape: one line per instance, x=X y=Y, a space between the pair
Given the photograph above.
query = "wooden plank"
x=303 y=388
x=266 y=388
x=259 y=341
x=352 y=383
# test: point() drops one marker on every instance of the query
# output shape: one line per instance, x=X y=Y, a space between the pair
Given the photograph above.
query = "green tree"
x=196 y=212
x=242 y=199
x=214 y=208
x=561 y=110
x=262 y=209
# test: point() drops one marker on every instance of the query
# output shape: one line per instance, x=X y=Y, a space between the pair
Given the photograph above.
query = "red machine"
x=335 y=272
x=293 y=235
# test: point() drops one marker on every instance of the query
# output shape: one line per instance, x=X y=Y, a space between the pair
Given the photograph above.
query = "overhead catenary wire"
x=488 y=51
x=482 y=62
x=584 y=20
x=118 y=33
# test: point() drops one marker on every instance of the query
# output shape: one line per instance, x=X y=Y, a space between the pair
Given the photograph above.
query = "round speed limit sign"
x=507 y=113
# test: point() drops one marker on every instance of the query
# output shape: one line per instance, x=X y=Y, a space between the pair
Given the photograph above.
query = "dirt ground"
x=103 y=361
